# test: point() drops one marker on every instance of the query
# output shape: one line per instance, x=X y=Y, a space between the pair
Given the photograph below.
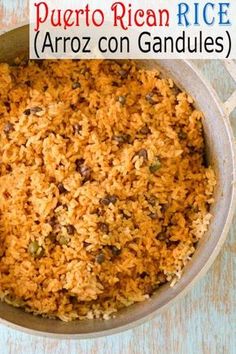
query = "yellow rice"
x=104 y=192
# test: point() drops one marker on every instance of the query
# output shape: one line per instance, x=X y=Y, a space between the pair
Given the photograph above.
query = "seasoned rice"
x=104 y=189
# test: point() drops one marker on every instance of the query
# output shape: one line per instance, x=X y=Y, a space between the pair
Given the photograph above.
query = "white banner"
x=151 y=29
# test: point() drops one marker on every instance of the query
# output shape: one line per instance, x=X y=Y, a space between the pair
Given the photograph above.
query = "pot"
x=220 y=153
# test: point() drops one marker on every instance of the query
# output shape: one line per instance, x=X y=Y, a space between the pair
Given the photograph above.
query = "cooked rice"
x=104 y=192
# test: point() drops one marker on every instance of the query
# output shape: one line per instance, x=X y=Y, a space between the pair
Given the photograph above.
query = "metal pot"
x=221 y=154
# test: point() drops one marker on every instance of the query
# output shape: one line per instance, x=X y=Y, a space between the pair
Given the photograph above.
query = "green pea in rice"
x=111 y=223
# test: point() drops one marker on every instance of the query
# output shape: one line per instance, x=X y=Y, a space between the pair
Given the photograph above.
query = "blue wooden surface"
x=204 y=321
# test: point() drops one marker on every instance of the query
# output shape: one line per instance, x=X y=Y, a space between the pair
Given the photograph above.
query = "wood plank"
x=12 y=13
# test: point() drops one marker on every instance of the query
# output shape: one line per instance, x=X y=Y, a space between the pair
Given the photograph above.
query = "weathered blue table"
x=204 y=321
